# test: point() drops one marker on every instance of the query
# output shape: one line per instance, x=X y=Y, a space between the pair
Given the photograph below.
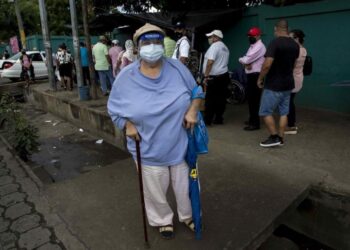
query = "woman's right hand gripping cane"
x=131 y=131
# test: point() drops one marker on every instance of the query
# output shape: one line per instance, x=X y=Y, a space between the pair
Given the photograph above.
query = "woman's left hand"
x=190 y=119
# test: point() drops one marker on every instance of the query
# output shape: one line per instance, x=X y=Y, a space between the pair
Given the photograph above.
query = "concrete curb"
x=25 y=167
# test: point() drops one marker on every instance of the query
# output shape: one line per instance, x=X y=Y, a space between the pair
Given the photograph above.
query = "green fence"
x=36 y=42
x=3 y=47
x=326 y=25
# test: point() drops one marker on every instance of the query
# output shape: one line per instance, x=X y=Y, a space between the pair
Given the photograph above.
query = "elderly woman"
x=151 y=101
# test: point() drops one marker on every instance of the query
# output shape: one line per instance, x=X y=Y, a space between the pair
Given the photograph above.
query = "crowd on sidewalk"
x=274 y=73
x=155 y=100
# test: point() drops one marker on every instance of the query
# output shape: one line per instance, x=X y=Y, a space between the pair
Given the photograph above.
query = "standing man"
x=114 y=52
x=103 y=65
x=182 y=47
x=278 y=66
x=84 y=57
x=169 y=44
x=216 y=78
x=252 y=63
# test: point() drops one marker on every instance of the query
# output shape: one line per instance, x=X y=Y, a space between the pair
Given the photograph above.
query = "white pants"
x=155 y=183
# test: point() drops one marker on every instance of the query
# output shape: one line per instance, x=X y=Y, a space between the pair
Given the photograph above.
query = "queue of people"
x=274 y=76
x=108 y=60
x=274 y=73
x=154 y=99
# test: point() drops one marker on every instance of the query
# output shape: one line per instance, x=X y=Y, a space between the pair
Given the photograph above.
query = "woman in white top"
x=298 y=36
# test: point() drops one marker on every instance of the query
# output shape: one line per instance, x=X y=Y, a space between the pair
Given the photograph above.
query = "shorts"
x=65 y=70
x=272 y=101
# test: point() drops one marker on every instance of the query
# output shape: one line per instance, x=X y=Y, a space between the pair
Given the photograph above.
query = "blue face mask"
x=151 y=53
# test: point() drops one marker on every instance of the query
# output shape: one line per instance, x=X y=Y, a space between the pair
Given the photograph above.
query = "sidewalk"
x=245 y=188
x=26 y=220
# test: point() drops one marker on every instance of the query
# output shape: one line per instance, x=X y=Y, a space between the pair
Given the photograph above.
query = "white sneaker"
x=291 y=131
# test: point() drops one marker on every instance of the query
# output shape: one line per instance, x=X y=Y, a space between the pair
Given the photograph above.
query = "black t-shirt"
x=285 y=51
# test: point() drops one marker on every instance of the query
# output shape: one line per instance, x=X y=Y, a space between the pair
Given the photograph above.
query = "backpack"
x=307 y=69
x=192 y=61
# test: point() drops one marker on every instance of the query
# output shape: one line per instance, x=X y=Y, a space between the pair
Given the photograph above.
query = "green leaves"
x=22 y=136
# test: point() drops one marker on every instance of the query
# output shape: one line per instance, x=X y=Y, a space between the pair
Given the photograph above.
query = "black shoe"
x=251 y=128
x=246 y=123
x=282 y=141
x=272 y=141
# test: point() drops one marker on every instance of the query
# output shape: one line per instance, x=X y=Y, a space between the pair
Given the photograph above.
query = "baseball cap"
x=254 y=31
x=115 y=41
x=180 y=25
x=146 y=29
x=217 y=33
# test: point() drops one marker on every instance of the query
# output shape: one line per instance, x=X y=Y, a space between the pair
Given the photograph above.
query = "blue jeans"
x=105 y=76
x=274 y=101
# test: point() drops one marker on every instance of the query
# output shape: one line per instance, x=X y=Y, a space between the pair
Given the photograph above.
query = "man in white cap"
x=114 y=52
x=216 y=78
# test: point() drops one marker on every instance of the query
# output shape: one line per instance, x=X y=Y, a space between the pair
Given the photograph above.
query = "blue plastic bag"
x=201 y=137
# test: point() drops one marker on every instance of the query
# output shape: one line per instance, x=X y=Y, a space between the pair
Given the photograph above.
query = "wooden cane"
x=138 y=158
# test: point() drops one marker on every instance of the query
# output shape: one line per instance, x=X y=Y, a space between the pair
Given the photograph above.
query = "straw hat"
x=146 y=29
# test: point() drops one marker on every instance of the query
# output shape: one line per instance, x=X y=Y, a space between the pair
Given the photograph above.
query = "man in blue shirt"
x=85 y=63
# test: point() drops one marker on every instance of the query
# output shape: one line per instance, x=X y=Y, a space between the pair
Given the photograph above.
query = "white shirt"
x=219 y=53
x=63 y=57
x=183 y=46
x=254 y=57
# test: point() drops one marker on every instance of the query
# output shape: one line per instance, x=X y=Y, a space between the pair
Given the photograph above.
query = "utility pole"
x=47 y=44
x=78 y=69
x=20 y=23
x=93 y=90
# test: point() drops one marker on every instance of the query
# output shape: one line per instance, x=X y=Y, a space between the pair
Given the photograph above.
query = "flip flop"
x=167 y=232
x=190 y=224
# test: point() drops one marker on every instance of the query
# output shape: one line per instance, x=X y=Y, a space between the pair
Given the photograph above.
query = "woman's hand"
x=190 y=118
x=131 y=131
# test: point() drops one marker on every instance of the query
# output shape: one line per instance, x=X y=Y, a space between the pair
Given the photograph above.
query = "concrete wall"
x=80 y=114
x=326 y=25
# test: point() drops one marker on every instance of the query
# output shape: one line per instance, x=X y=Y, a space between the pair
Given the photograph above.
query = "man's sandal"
x=190 y=224
x=167 y=232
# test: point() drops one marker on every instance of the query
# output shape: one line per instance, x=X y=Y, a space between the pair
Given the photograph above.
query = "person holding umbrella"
x=152 y=101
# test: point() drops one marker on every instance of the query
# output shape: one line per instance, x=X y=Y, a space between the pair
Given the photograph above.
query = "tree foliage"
x=58 y=13
x=59 y=20
x=172 y=5
x=8 y=20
